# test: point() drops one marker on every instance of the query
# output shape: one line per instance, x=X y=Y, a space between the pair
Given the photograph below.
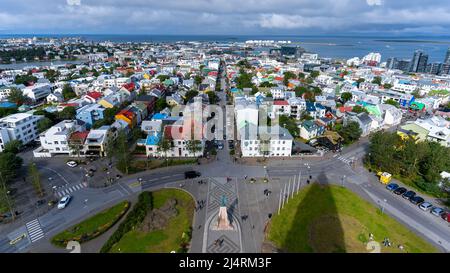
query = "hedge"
x=133 y=219
x=71 y=233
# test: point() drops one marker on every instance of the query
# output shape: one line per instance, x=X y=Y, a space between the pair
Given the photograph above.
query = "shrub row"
x=61 y=239
x=133 y=219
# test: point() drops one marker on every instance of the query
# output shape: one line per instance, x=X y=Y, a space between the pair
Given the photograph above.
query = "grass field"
x=331 y=219
x=168 y=239
x=92 y=227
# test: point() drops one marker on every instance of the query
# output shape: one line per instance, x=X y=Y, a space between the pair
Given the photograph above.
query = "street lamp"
x=343 y=178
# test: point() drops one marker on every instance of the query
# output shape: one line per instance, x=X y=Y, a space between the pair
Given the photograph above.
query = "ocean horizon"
x=327 y=46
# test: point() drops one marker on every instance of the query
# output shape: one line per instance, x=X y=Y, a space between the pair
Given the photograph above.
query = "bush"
x=134 y=218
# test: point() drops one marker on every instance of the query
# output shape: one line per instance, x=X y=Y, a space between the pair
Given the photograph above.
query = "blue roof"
x=7 y=104
x=320 y=106
x=235 y=89
x=310 y=106
x=159 y=116
x=153 y=139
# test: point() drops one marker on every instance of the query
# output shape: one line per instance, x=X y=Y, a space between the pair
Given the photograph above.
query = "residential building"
x=20 y=126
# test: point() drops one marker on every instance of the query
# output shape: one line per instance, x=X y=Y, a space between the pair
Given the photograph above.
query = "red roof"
x=280 y=102
x=129 y=114
x=94 y=94
x=129 y=86
x=344 y=109
x=73 y=104
x=278 y=78
x=79 y=135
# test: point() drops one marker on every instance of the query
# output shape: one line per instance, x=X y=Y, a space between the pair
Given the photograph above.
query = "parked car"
x=72 y=164
x=408 y=195
x=191 y=174
x=400 y=191
x=64 y=202
x=446 y=216
x=437 y=211
x=416 y=200
x=425 y=206
x=220 y=146
x=392 y=186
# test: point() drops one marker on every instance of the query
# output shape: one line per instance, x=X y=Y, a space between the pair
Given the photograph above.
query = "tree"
x=24 y=79
x=43 y=124
x=290 y=124
x=13 y=146
x=314 y=74
x=287 y=76
x=162 y=78
x=51 y=75
x=377 y=80
x=6 y=204
x=122 y=152
x=359 y=109
x=387 y=86
x=68 y=112
x=267 y=84
x=198 y=80
x=68 y=92
x=164 y=146
x=392 y=102
x=351 y=132
x=213 y=98
x=16 y=95
x=160 y=104
x=35 y=177
x=360 y=80
x=193 y=146
x=346 y=96
x=189 y=95
x=301 y=75
x=9 y=165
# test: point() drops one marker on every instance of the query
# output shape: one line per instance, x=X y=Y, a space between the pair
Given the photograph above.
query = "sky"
x=217 y=17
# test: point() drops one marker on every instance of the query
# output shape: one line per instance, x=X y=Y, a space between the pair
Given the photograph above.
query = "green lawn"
x=334 y=219
x=168 y=239
x=92 y=227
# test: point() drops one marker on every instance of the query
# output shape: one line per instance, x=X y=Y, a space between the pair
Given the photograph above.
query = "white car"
x=425 y=206
x=72 y=164
x=64 y=202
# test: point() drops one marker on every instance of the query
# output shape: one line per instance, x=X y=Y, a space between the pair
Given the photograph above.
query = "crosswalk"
x=345 y=160
x=69 y=189
x=35 y=231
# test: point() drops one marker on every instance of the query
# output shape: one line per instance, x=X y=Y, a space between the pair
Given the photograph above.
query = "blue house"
x=90 y=114
x=406 y=100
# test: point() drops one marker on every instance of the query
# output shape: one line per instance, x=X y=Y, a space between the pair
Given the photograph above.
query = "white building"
x=55 y=141
x=246 y=112
x=20 y=126
x=37 y=91
x=265 y=141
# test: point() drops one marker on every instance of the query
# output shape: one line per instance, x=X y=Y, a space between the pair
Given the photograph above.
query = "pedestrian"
x=253 y=227
x=200 y=226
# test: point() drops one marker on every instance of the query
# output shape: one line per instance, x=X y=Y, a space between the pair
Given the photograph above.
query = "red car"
x=446 y=216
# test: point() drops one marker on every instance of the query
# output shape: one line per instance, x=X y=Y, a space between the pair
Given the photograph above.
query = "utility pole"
x=343 y=178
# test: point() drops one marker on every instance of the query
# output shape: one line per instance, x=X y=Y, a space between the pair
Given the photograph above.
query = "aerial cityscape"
x=223 y=143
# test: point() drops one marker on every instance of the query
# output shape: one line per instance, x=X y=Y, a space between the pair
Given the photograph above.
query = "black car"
x=416 y=200
x=191 y=174
x=400 y=190
x=408 y=195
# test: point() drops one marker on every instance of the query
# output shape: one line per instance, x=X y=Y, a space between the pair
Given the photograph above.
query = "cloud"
x=374 y=2
x=224 y=16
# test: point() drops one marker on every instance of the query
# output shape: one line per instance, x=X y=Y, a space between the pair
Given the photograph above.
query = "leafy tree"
x=68 y=92
x=198 y=80
x=290 y=124
x=377 y=80
x=162 y=78
x=189 y=95
x=287 y=76
x=122 y=152
x=360 y=80
x=25 y=79
x=164 y=146
x=68 y=112
x=244 y=81
x=9 y=165
x=160 y=104
x=193 y=146
x=213 y=98
x=351 y=132
x=301 y=75
x=392 y=102
x=52 y=75
x=346 y=96
x=387 y=86
x=13 y=146
x=43 y=124
x=359 y=109
x=267 y=84
x=35 y=177
x=16 y=95
x=314 y=74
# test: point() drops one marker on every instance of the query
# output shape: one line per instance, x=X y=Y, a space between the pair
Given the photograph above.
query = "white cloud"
x=73 y=2
x=374 y=2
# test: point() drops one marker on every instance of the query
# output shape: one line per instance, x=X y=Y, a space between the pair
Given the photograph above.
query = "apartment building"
x=20 y=126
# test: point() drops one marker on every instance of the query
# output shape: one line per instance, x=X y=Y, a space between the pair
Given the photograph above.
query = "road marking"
x=34 y=230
